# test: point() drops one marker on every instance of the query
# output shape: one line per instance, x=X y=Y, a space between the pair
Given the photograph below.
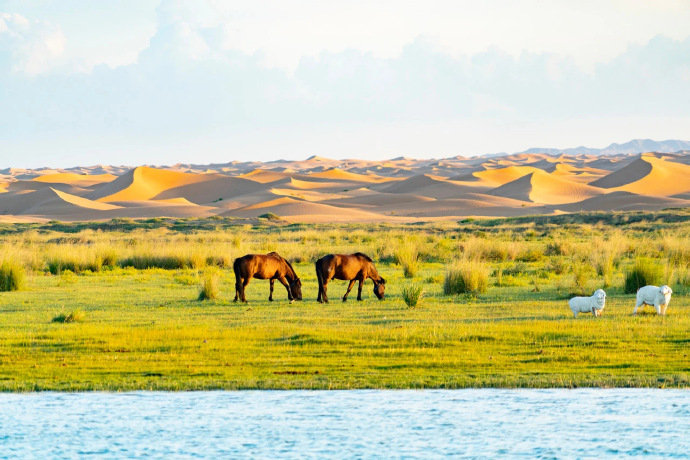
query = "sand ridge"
x=320 y=189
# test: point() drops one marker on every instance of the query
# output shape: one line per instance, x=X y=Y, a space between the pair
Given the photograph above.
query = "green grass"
x=145 y=328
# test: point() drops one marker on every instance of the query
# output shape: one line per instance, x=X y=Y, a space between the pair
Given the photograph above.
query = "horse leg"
x=320 y=281
x=284 y=282
x=324 y=290
x=270 y=295
x=359 y=289
x=243 y=287
x=349 y=288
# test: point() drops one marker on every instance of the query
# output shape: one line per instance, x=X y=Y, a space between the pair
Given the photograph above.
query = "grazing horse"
x=354 y=267
x=269 y=266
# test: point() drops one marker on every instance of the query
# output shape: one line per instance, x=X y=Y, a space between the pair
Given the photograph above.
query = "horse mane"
x=363 y=256
x=292 y=269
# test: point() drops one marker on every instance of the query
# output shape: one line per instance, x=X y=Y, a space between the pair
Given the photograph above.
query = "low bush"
x=645 y=272
x=466 y=277
x=412 y=295
x=11 y=276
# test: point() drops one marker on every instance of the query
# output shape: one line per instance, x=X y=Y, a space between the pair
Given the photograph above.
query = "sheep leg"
x=637 y=305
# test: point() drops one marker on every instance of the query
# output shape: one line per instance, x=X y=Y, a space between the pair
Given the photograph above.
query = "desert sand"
x=324 y=190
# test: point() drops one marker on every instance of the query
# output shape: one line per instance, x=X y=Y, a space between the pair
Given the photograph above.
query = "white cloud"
x=349 y=79
x=586 y=31
x=34 y=46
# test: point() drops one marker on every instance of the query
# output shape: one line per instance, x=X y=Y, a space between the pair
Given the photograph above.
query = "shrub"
x=582 y=273
x=75 y=316
x=408 y=258
x=209 y=286
x=466 y=277
x=643 y=273
x=11 y=276
x=412 y=295
x=530 y=255
x=603 y=263
x=269 y=216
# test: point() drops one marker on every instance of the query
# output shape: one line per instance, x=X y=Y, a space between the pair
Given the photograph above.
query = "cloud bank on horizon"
x=145 y=81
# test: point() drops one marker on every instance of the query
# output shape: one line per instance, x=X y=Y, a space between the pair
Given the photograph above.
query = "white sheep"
x=658 y=297
x=594 y=304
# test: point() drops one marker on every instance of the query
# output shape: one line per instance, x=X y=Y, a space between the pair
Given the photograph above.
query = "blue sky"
x=161 y=82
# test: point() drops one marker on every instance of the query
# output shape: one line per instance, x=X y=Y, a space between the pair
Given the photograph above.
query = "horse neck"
x=290 y=273
x=373 y=274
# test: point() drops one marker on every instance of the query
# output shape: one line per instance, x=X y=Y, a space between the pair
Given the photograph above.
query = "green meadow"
x=115 y=305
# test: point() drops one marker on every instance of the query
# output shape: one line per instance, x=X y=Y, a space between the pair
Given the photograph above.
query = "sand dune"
x=290 y=208
x=338 y=174
x=544 y=188
x=52 y=202
x=500 y=176
x=214 y=189
x=623 y=201
x=264 y=176
x=649 y=175
x=81 y=180
x=325 y=190
x=144 y=183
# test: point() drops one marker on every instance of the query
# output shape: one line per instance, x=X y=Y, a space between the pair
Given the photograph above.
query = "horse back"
x=261 y=266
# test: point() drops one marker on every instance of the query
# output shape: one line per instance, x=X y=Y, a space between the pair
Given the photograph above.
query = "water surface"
x=367 y=424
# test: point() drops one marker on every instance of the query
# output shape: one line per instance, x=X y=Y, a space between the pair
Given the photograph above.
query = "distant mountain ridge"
x=631 y=147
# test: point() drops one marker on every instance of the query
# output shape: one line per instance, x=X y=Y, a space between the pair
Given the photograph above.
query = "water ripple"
x=335 y=424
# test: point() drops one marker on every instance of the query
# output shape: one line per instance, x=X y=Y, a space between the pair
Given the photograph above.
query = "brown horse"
x=271 y=267
x=354 y=267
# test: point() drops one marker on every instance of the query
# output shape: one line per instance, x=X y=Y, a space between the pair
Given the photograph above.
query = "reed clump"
x=12 y=276
x=209 y=286
x=408 y=258
x=466 y=277
x=644 y=272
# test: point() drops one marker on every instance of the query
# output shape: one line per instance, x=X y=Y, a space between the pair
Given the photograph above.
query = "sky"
x=133 y=82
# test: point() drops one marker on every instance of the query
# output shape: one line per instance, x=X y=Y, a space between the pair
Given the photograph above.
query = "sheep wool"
x=594 y=304
x=657 y=297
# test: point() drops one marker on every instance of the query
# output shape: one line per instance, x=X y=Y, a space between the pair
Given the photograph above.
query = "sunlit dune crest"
x=75 y=179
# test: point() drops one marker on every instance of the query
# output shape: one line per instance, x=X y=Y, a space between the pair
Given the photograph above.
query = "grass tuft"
x=412 y=295
x=644 y=272
x=466 y=277
x=209 y=286
x=11 y=276
x=408 y=258
x=75 y=316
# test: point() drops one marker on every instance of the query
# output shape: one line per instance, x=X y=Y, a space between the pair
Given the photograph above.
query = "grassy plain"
x=146 y=328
